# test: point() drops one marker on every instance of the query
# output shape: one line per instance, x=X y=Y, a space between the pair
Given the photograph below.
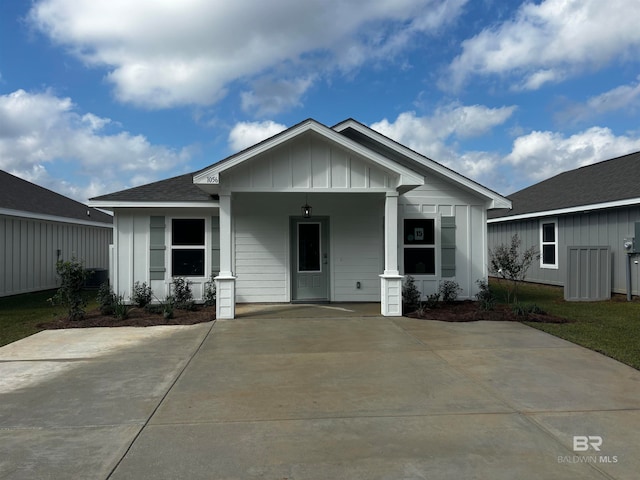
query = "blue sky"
x=98 y=96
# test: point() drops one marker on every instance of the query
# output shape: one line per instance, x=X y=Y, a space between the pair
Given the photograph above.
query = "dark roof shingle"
x=175 y=189
x=18 y=194
x=606 y=181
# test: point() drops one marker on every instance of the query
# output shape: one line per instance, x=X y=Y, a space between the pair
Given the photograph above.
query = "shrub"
x=510 y=264
x=449 y=291
x=485 y=296
x=182 y=294
x=210 y=292
x=142 y=294
x=120 y=308
x=72 y=277
x=410 y=293
x=106 y=299
x=431 y=301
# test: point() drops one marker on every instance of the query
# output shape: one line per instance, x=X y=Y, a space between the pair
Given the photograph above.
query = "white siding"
x=308 y=163
x=29 y=251
x=438 y=198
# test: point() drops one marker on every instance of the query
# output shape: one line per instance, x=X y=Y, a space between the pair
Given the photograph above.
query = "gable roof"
x=19 y=197
x=407 y=177
x=610 y=183
x=196 y=188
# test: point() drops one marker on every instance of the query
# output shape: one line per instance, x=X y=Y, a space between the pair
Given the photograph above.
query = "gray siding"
x=604 y=227
x=29 y=251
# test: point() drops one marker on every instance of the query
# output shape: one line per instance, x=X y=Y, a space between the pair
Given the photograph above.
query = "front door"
x=310 y=259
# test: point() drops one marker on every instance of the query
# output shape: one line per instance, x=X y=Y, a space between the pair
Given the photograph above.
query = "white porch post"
x=391 y=280
x=225 y=281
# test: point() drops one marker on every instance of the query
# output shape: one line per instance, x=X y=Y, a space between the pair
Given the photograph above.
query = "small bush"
x=210 y=292
x=431 y=301
x=106 y=299
x=120 y=308
x=142 y=294
x=72 y=278
x=182 y=294
x=449 y=291
x=167 y=307
x=485 y=296
x=410 y=294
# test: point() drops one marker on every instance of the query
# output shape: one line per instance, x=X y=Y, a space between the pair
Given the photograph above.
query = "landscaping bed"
x=469 y=311
x=137 y=317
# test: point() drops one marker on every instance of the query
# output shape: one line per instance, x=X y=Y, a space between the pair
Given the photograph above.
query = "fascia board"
x=104 y=204
x=497 y=200
x=568 y=210
x=52 y=218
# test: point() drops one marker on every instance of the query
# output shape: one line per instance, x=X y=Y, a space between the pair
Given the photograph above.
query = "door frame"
x=325 y=240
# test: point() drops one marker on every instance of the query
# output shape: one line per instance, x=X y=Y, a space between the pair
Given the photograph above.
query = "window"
x=309 y=247
x=187 y=247
x=549 y=244
x=419 y=246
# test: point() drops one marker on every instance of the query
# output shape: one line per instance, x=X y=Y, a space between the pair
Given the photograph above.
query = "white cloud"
x=540 y=155
x=247 y=134
x=164 y=53
x=428 y=134
x=549 y=41
x=269 y=97
x=624 y=98
x=434 y=136
x=40 y=132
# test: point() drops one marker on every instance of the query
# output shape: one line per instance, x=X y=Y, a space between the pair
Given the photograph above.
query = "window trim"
x=203 y=247
x=542 y=223
x=434 y=246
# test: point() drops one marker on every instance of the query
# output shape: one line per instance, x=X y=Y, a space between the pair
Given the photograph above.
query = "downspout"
x=629 y=277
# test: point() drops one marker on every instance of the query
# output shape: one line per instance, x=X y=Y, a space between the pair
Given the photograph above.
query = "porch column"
x=225 y=281
x=391 y=280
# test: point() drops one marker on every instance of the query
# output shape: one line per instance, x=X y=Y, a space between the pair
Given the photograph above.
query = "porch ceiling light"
x=306 y=210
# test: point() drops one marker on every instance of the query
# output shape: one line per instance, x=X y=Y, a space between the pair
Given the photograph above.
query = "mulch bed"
x=469 y=311
x=138 y=317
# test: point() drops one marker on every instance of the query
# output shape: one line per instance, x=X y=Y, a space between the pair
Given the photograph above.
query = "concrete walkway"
x=315 y=398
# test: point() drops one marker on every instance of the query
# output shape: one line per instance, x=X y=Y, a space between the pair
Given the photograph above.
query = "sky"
x=101 y=95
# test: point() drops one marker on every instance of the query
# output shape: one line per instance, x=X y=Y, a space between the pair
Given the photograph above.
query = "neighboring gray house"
x=38 y=227
x=582 y=211
x=311 y=214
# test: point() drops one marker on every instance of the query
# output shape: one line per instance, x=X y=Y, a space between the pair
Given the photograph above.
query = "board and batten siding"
x=29 y=251
x=142 y=249
x=453 y=209
x=595 y=228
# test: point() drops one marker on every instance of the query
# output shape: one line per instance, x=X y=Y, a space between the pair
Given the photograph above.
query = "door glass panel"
x=308 y=247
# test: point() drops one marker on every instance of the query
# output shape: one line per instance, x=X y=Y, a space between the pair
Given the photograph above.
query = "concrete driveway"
x=297 y=397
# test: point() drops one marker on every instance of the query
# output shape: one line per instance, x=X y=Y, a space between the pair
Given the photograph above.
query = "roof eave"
x=563 y=211
x=110 y=205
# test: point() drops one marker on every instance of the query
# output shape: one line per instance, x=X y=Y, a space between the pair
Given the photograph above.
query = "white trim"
x=211 y=176
x=51 y=218
x=562 y=211
x=497 y=200
x=109 y=205
x=541 y=223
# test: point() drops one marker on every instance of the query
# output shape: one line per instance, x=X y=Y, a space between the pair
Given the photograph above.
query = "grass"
x=610 y=327
x=20 y=314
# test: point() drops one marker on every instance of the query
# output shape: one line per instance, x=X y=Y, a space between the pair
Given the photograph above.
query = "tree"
x=72 y=278
x=512 y=265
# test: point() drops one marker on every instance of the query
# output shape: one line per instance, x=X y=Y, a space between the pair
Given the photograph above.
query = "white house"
x=311 y=214
x=39 y=227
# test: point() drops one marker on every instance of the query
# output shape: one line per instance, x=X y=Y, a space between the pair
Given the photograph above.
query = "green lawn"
x=19 y=314
x=610 y=327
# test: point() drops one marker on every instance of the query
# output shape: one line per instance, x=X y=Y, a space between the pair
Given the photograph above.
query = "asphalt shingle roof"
x=606 y=181
x=18 y=194
x=175 y=189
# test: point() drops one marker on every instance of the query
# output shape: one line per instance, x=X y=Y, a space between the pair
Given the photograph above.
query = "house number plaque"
x=213 y=179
